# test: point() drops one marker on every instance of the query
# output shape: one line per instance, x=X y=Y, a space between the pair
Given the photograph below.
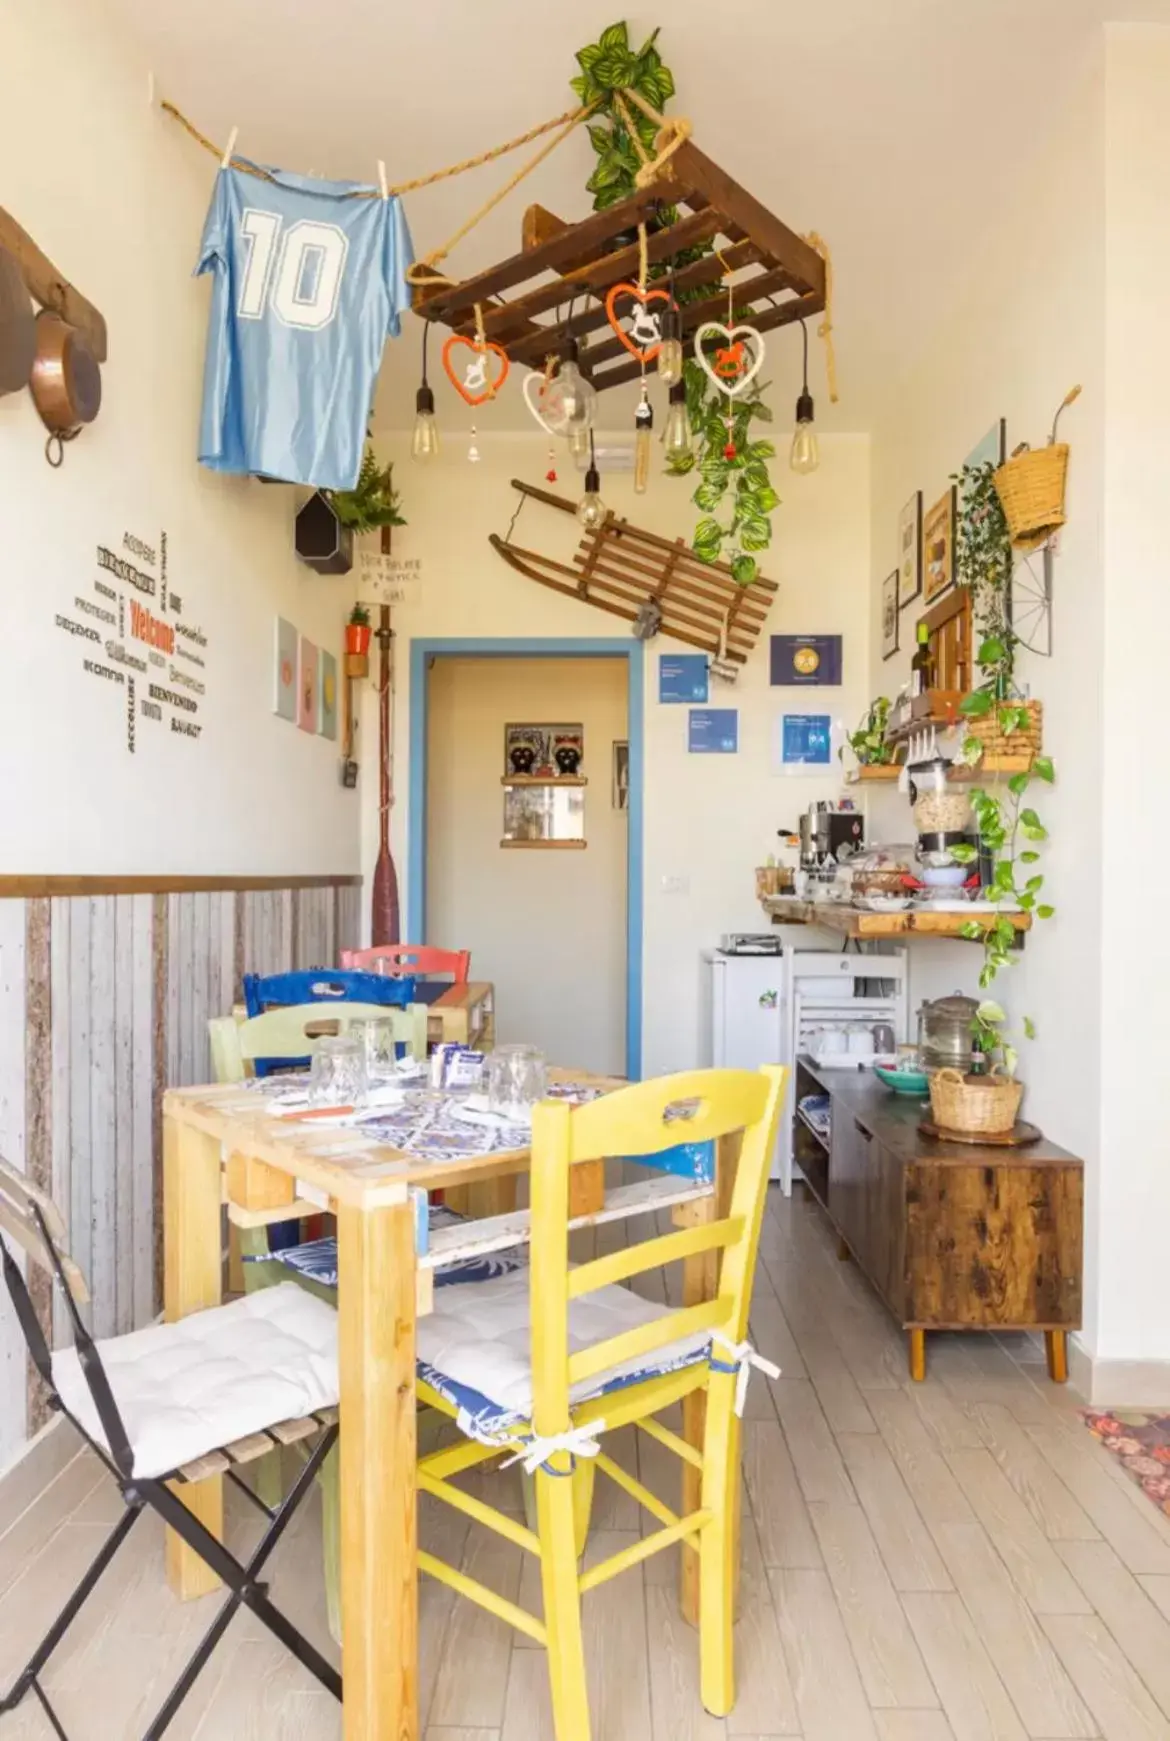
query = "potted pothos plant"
x=357 y=630
x=373 y=502
x=995 y=712
x=868 y=742
x=735 y=495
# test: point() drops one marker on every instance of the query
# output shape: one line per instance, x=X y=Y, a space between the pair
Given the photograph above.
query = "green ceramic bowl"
x=914 y=1082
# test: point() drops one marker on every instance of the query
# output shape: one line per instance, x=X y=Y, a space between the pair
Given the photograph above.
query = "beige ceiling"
x=891 y=126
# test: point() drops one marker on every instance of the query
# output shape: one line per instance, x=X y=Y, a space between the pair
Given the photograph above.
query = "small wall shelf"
x=546 y=845
x=855 y=922
x=987 y=766
x=543 y=780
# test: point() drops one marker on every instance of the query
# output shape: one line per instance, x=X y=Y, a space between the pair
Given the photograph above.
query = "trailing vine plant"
x=741 y=483
x=868 y=742
x=1009 y=829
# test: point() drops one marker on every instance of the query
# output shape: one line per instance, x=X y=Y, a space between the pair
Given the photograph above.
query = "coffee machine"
x=829 y=835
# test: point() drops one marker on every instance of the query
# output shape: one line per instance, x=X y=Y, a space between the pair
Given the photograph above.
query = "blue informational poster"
x=799 y=660
x=806 y=739
x=682 y=676
x=713 y=731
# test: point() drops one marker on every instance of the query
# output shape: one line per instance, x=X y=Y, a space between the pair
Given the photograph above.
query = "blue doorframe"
x=422 y=653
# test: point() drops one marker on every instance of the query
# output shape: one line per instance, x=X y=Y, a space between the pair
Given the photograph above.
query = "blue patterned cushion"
x=317 y=1258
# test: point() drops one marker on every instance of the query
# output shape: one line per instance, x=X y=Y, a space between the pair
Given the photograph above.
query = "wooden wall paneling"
x=124 y=1156
x=38 y=1110
x=80 y=1193
x=103 y=1133
x=224 y=988
x=350 y=921
x=298 y=959
x=13 y=1365
x=138 y=1227
x=160 y=1010
x=239 y=945
x=60 y=979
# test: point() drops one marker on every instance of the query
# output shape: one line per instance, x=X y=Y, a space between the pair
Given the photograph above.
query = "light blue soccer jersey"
x=308 y=282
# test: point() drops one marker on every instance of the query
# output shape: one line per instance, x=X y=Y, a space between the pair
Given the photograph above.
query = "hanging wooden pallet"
x=779 y=277
x=619 y=567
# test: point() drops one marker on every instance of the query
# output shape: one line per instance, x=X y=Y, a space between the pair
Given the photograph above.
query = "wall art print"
x=327 y=689
x=938 y=547
x=307 y=696
x=910 y=550
x=284 y=685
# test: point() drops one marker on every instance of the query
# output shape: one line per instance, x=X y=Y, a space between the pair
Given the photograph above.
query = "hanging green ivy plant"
x=735 y=494
x=742 y=484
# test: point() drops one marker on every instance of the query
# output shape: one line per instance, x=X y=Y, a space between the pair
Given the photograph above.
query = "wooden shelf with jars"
x=988 y=767
x=543 y=780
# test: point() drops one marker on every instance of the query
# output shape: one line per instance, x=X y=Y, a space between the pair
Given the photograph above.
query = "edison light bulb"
x=591 y=510
x=806 y=454
x=670 y=357
x=424 y=442
x=643 y=427
x=570 y=401
x=676 y=437
x=579 y=442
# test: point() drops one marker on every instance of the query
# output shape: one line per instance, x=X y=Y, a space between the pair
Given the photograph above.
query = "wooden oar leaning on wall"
x=620 y=567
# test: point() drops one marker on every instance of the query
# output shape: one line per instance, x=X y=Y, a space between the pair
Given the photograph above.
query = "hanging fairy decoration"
x=643 y=337
x=478 y=383
x=731 y=355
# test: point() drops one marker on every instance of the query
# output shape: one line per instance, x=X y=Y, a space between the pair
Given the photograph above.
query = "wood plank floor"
x=957 y=1561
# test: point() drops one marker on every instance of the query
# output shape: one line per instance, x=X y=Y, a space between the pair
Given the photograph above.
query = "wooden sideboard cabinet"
x=952 y=1236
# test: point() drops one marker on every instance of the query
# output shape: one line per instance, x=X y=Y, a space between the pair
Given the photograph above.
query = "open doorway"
x=557 y=930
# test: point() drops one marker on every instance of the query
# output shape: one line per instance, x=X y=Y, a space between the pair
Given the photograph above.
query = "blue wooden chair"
x=266 y=991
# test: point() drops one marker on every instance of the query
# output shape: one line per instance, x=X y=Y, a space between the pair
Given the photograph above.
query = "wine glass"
x=338 y=1075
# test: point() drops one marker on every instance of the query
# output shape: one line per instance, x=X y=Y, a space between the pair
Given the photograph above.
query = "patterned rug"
x=1141 y=1444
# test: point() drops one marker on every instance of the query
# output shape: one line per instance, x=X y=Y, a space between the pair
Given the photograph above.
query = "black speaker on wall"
x=321 y=540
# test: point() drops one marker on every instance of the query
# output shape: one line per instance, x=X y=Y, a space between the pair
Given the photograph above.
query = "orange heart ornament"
x=476 y=386
x=645 y=324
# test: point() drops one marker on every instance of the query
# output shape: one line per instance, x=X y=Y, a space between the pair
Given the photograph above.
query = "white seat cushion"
x=474 y=1347
x=185 y=1389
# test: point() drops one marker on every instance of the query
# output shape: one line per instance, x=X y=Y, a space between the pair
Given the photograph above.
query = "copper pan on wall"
x=66 y=382
x=18 y=333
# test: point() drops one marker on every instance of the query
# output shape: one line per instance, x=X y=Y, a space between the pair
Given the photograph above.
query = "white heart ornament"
x=734 y=384
x=536 y=379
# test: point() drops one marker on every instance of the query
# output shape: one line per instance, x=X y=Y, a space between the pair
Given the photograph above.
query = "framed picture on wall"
x=992 y=450
x=890 y=590
x=621 y=774
x=938 y=547
x=910 y=550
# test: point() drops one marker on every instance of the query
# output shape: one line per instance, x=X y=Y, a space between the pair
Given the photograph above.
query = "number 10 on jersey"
x=298 y=275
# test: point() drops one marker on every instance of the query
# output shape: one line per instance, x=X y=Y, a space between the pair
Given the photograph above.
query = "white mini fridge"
x=747 y=1005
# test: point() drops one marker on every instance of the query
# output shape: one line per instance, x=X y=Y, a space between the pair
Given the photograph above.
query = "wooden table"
x=857 y=922
x=219 y=1144
x=465 y=1014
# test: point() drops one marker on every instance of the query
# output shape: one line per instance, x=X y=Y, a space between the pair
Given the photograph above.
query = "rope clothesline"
x=673 y=132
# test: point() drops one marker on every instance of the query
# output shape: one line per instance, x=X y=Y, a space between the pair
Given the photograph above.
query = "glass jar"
x=938 y=807
x=944 y=1032
x=516 y=1080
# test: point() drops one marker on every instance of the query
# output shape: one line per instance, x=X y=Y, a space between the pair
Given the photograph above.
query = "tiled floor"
x=956 y=1561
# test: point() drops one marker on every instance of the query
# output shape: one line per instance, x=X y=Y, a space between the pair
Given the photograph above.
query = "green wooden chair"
x=280 y=1033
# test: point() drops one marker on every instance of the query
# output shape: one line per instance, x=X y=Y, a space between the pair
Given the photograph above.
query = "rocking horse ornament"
x=643 y=337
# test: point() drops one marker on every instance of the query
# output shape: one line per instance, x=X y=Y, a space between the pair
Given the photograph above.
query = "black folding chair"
x=32 y=1221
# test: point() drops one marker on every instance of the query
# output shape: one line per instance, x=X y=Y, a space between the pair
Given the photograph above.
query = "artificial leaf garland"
x=742 y=484
x=373 y=502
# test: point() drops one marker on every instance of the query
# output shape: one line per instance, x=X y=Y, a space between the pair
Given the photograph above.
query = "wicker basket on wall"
x=1031 y=490
x=976 y=1105
x=997 y=742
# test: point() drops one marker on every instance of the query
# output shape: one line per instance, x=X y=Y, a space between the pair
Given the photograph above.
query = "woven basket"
x=978 y=1105
x=995 y=742
x=1031 y=490
x=772 y=879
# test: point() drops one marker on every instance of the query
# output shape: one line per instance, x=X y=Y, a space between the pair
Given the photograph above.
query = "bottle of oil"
x=922 y=662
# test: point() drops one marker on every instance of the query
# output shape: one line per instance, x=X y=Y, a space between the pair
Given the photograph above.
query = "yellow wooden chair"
x=552 y=1401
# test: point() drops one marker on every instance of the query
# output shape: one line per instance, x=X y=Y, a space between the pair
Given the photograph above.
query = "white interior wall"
x=547 y=927
x=116 y=195
x=1030 y=325
x=708 y=819
x=1135 y=1016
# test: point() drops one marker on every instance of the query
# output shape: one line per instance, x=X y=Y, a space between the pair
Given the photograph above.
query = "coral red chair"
x=397 y=959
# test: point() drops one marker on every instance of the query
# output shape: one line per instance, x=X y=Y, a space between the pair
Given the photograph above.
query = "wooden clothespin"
x=382 y=182
x=231 y=145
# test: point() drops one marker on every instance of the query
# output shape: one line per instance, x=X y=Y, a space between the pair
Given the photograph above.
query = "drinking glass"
x=516 y=1080
x=375 y=1035
x=338 y=1076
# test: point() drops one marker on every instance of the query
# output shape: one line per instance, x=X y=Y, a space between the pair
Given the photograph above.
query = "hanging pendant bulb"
x=643 y=432
x=424 y=440
x=670 y=357
x=676 y=437
x=570 y=401
x=806 y=453
x=591 y=510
